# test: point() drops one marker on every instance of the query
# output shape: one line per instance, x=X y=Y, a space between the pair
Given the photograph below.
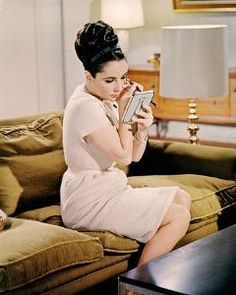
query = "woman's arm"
x=144 y=119
x=120 y=145
x=117 y=144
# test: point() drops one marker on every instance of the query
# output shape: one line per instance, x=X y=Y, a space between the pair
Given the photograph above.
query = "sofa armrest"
x=182 y=158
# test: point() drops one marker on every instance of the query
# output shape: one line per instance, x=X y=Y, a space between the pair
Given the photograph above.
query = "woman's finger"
x=138 y=86
x=146 y=108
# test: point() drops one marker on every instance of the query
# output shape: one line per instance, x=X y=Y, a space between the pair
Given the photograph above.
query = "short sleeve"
x=88 y=116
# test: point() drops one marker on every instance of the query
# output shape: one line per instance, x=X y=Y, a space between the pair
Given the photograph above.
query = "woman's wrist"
x=126 y=128
x=141 y=137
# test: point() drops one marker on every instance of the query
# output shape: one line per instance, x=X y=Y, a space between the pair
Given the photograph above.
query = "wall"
x=146 y=40
x=31 y=63
x=75 y=14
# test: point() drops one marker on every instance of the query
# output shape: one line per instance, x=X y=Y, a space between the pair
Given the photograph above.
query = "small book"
x=135 y=103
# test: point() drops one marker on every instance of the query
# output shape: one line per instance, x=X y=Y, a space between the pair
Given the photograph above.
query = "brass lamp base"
x=155 y=60
x=193 y=120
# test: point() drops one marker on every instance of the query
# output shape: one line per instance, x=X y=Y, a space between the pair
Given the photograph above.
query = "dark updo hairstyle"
x=95 y=45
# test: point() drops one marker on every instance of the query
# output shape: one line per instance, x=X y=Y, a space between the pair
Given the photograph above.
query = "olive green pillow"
x=206 y=206
x=205 y=160
x=48 y=214
x=31 y=162
x=10 y=190
x=30 y=250
x=203 y=191
x=42 y=135
x=165 y=158
x=39 y=176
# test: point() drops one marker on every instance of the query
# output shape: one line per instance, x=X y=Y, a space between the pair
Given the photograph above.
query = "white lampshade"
x=194 y=61
x=122 y=14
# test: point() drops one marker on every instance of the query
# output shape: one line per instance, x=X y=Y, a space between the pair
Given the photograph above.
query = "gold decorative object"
x=193 y=120
x=192 y=6
x=155 y=60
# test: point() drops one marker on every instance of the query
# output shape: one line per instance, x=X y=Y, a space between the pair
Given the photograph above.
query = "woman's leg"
x=173 y=227
x=183 y=198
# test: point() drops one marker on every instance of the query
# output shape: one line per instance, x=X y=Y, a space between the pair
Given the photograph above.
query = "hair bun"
x=96 y=36
x=95 y=45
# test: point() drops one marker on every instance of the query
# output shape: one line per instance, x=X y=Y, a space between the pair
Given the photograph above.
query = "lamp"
x=194 y=65
x=122 y=15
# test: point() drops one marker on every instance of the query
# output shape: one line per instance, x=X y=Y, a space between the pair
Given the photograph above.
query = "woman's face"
x=108 y=83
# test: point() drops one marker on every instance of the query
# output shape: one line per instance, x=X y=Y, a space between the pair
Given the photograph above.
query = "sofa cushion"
x=206 y=205
x=202 y=189
x=10 y=190
x=39 y=177
x=33 y=153
x=30 y=250
x=115 y=243
x=168 y=157
x=48 y=214
x=42 y=135
x=111 y=242
x=182 y=156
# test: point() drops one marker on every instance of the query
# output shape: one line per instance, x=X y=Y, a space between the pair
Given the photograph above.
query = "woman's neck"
x=89 y=89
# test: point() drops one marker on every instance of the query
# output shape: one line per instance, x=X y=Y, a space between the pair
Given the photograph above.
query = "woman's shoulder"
x=80 y=94
x=83 y=102
x=81 y=97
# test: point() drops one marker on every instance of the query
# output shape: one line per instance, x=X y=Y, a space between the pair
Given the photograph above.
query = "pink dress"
x=94 y=193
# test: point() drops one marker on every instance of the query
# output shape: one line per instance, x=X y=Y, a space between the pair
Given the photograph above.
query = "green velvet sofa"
x=38 y=255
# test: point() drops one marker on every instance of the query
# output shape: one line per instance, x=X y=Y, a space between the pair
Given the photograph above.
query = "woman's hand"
x=143 y=117
x=127 y=92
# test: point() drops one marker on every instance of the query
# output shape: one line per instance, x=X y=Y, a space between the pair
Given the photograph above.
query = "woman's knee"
x=177 y=213
x=183 y=198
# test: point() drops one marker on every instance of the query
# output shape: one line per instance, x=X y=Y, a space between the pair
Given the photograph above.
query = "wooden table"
x=215 y=111
x=206 y=267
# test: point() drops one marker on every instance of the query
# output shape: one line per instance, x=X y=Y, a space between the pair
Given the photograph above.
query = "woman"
x=94 y=193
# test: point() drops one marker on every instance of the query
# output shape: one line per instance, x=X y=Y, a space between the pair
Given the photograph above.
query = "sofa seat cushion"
x=30 y=250
x=111 y=242
x=115 y=243
x=77 y=279
x=205 y=193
